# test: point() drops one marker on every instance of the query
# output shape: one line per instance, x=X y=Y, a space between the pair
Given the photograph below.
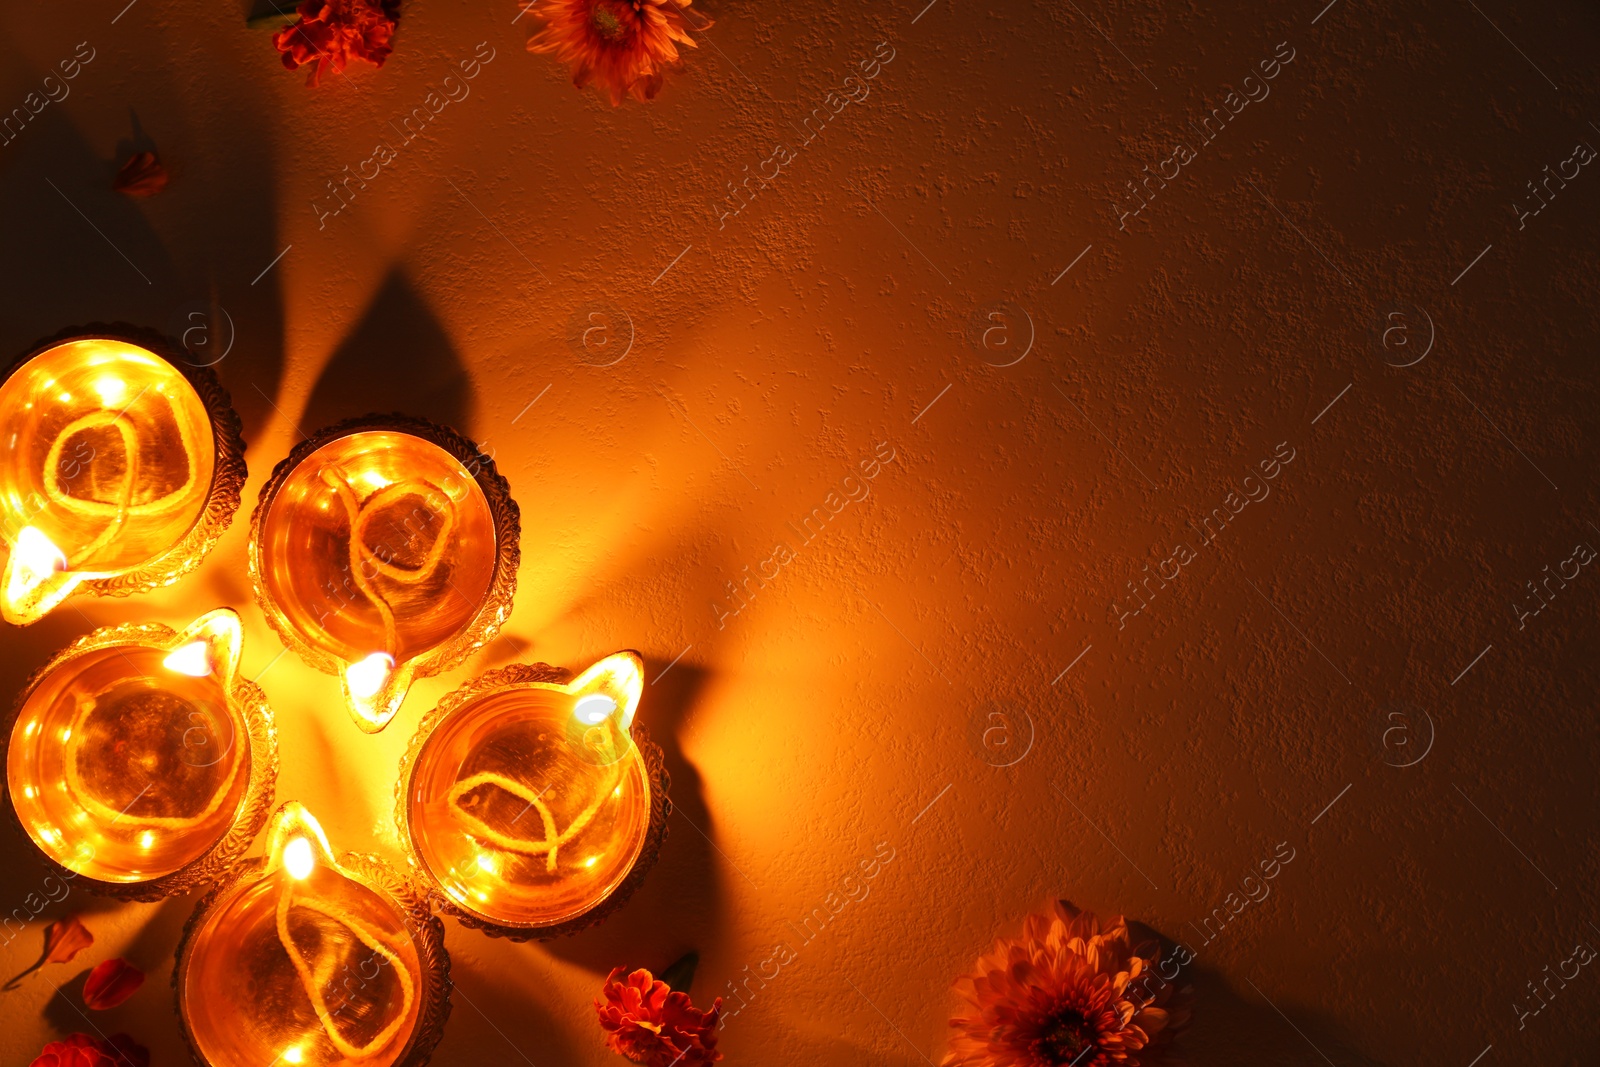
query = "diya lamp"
x=384 y=549
x=139 y=761
x=531 y=804
x=122 y=466
x=301 y=958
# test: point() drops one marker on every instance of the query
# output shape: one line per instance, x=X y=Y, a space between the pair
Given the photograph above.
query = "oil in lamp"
x=140 y=761
x=530 y=802
x=301 y=958
x=384 y=549
x=122 y=466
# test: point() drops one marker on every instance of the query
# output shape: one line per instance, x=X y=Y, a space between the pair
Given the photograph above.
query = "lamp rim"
x=529 y=676
x=261 y=735
x=229 y=471
x=503 y=510
x=425 y=928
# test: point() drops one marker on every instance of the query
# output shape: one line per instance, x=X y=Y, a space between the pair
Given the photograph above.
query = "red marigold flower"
x=110 y=983
x=624 y=46
x=81 y=1050
x=1070 y=990
x=330 y=33
x=649 y=1023
x=141 y=175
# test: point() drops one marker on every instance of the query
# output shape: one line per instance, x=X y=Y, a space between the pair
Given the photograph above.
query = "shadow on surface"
x=77 y=252
x=398 y=358
x=680 y=904
x=493 y=1021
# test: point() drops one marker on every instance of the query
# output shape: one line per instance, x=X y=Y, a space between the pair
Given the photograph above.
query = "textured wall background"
x=845 y=704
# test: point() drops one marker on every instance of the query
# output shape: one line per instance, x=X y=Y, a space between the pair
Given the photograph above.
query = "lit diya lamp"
x=531 y=803
x=140 y=761
x=122 y=466
x=384 y=549
x=301 y=958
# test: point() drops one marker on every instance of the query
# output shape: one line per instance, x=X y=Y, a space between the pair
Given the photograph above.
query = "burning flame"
x=594 y=709
x=299 y=859
x=374 y=688
x=111 y=389
x=193 y=659
x=34 y=559
x=296 y=844
x=614 y=682
x=366 y=677
x=298 y=847
x=209 y=645
x=36 y=577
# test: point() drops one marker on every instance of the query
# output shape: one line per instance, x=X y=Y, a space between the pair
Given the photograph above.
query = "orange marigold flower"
x=330 y=33
x=624 y=46
x=649 y=1023
x=1069 y=991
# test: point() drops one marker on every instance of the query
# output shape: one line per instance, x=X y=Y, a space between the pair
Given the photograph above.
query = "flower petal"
x=648 y=1023
x=65 y=938
x=1069 y=976
x=623 y=46
x=142 y=175
x=82 y=1050
x=110 y=983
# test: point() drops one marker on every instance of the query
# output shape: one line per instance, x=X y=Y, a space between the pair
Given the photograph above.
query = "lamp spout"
x=374 y=687
x=36 y=578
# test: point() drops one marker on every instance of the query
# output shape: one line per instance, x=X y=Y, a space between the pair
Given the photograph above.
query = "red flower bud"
x=141 y=175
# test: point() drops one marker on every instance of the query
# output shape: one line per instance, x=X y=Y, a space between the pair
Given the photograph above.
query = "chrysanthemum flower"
x=1070 y=992
x=649 y=1023
x=330 y=33
x=624 y=46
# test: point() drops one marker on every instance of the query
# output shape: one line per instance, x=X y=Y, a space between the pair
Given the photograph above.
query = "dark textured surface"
x=836 y=704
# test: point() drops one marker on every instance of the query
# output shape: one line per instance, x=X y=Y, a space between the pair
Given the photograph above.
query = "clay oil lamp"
x=531 y=803
x=139 y=761
x=121 y=466
x=384 y=549
x=301 y=958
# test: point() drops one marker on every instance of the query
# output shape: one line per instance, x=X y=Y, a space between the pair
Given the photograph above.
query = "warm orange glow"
x=138 y=742
x=36 y=577
x=593 y=709
x=337 y=948
x=298 y=859
x=528 y=803
x=191 y=659
x=110 y=389
x=618 y=678
x=108 y=468
x=374 y=555
x=296 y=842
x=366 y=677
